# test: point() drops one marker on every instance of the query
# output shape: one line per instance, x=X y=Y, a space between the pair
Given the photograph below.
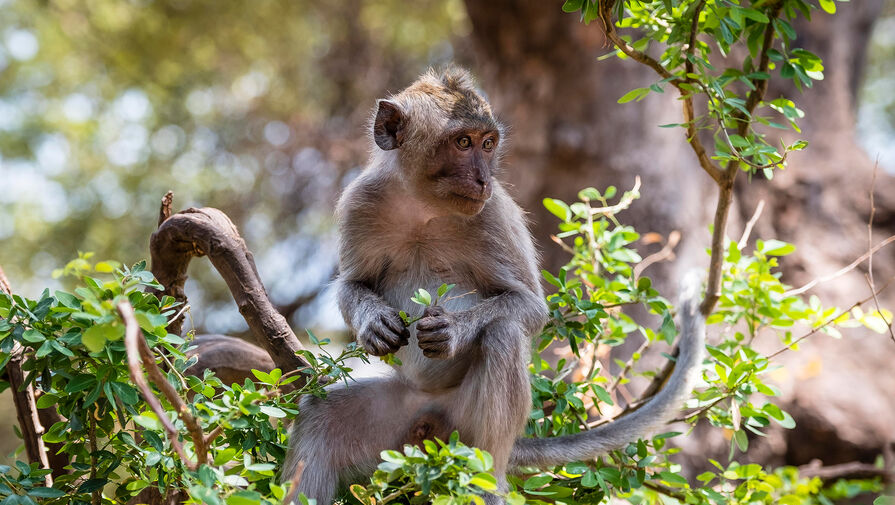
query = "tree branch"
x=138 y=350
x=24 y=400
x=207 y=231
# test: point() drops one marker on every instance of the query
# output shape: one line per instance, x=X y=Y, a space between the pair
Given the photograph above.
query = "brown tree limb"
x=164 y=211
x=138 y=350
x=24 y=401
x=850 y=470
x=208 y=231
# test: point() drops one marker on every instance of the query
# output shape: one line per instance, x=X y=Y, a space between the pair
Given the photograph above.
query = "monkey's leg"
x=494 y=399
x=342 y=435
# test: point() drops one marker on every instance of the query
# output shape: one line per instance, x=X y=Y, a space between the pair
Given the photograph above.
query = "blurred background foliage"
x=255 y=109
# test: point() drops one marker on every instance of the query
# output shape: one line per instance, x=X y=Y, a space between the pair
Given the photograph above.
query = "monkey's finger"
x=393 y=322
x=432 y=323
x=434 y=311
x=432 y=338
x=384 y=347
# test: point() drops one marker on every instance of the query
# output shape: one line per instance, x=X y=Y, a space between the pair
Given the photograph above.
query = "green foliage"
x=756 y=42
x=115 y=442
x=439 y=473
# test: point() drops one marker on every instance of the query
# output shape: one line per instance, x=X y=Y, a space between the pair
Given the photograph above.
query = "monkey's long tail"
x=648 y=419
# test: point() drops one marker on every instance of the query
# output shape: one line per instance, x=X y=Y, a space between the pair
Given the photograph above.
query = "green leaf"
x=558 y=208
x=272 y=411
x=572 y=5
x=33 y=336
x=537 y=481
x=148 y=421
x=829 y=6
x=45 y=492
x=485 y=481
x=95 y=337
x=635 y=94
x=775 y=247
x=422 y=297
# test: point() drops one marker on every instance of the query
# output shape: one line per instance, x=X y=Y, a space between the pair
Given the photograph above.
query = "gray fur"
x=397 y=237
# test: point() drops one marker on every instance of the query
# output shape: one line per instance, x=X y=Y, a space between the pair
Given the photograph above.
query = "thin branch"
x=665 y=254
x=634 y=54
x=630 y=363
x=851 y=470
x=4 y=283
x=879 y=310
x=748 y=230
x=716 y=261
x=851 y=266
x=623 y=204
x=830 y=320
x=869 y=275
x=705 y=161
x=137 y=349
x=96 y=495
x=760 y=86
x=164 y=211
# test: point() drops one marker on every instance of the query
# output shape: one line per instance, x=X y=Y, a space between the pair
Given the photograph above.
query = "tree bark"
x=207 y=231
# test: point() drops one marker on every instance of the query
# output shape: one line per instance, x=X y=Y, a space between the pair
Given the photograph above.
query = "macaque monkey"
x=428 y=210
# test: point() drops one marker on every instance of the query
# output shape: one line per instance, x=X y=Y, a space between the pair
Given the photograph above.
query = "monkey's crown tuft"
x=453 y=91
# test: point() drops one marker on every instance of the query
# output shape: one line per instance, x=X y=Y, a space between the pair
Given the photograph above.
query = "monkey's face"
x=460 y=173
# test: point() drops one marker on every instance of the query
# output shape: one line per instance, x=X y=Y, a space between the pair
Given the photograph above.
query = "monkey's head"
x=447 y=137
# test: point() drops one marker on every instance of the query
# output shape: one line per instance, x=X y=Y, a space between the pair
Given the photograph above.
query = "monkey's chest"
x=398 y=289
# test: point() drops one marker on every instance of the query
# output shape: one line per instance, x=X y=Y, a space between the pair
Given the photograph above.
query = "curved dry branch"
x=24 y=400
x=208 y=231
x=138 y=350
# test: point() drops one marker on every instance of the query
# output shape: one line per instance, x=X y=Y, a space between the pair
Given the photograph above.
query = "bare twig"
x=830 y=320
x=623 y=204
x=851 y=266
x=164 y=211
x=4 y=283
x=869 y=275
x=851 y=470
x=666 y=253
x=748 y=230
x=138 y=350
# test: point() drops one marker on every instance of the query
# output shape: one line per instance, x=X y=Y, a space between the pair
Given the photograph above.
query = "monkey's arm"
x=378 y=328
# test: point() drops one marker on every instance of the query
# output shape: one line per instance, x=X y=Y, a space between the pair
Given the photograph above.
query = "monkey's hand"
x=383 y=332
x=440 y=333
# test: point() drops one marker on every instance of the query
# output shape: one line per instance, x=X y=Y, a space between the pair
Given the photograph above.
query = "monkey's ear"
x=388 y=127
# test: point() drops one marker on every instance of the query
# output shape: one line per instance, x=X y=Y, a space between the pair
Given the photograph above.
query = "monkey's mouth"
x=478 y=199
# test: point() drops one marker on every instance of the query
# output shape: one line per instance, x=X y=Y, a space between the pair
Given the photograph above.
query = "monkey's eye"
x=488 y=144
x=464 y=142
